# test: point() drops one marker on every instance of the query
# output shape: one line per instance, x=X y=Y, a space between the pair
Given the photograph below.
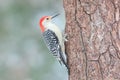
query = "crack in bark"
x=100 y=69
x=81 y=37
x=117 y=51
x=115 y=10
x=86 y=11
x=98 y=61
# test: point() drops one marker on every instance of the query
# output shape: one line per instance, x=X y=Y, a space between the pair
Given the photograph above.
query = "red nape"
x=41 y=25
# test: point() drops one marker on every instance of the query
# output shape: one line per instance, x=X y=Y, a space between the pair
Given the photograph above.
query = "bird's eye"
x=47 y=18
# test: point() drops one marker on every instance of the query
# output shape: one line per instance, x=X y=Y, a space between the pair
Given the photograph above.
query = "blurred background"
x=23 y=54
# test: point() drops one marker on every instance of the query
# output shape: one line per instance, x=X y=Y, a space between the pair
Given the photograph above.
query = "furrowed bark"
x=93 y=32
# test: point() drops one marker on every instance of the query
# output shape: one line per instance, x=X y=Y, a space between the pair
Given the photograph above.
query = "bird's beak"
x=55 y=16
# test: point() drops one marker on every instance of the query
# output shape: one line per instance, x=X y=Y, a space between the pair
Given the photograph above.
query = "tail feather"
x=62 y=58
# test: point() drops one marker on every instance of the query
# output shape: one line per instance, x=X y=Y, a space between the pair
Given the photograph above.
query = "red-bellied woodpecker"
x=53 y=38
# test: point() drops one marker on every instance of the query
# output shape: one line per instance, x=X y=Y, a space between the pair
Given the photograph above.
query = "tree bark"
x=93 y=32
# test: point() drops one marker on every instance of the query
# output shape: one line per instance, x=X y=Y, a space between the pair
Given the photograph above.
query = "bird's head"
x=44 y=20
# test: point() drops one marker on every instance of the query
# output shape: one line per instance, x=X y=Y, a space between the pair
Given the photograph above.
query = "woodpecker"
x=53 y=38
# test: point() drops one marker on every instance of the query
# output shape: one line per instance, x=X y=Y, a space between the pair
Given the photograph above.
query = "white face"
x=46 y=20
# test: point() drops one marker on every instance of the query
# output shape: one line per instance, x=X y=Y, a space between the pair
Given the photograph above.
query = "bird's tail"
x=62 y=58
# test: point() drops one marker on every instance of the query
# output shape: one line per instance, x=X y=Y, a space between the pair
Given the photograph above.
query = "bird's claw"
x=65 y=37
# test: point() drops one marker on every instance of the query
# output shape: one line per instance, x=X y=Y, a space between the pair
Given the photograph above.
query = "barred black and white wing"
x=53 y=45
x=52 y=42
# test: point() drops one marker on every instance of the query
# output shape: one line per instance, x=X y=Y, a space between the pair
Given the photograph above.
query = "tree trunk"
x=93 y=32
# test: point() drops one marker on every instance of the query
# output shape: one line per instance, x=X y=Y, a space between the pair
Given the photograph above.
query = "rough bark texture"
x=93 y=47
